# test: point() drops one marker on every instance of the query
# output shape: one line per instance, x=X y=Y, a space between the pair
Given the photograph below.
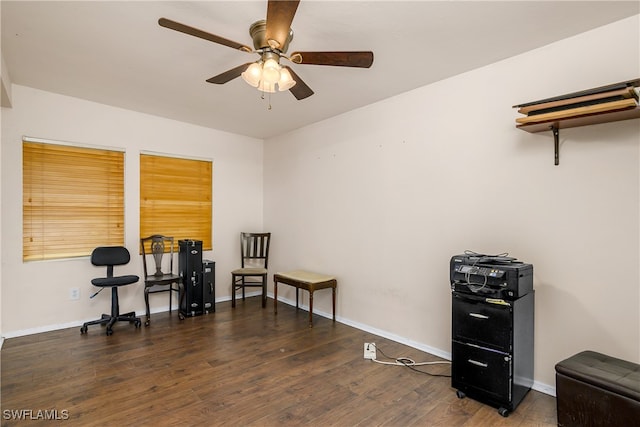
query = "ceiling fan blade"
x=300 y=90
x=229 y=75
x=279 y=17
x=340 y=59
x=173 y=25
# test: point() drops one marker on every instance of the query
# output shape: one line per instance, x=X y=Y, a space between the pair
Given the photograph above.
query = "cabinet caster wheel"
x=460 y=394
x=504 y=412
x=83 y=330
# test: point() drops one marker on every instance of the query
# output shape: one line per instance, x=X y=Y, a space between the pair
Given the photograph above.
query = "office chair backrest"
x=110 y=256
x=254 y=249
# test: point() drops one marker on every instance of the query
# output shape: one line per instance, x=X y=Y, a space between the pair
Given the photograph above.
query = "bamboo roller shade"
x=73 y=200
x=175 y=198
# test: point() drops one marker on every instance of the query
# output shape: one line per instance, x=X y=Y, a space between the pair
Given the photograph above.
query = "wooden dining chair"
x=254 y=255
x=160 y=278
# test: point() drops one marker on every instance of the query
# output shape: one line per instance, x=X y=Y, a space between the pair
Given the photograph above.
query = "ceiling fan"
x=271 y=38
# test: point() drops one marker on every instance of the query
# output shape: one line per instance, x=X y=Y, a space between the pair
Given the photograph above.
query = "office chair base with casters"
x=109 y=256
x=115 y=316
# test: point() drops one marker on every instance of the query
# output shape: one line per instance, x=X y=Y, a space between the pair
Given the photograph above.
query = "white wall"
x=5 y=84
x=3 y=92
x=5 y=101
x=35 y=295
x=382 y=197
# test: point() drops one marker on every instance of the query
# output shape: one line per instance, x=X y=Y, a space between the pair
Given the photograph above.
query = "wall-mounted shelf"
x=604 y=104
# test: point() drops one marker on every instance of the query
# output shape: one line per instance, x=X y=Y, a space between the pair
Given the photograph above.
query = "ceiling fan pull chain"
x=268 y=100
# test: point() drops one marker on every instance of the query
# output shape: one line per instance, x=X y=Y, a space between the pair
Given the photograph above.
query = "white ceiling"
x=115 y=52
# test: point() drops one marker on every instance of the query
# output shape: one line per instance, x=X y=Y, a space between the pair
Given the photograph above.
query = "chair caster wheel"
x=147 y=322
x=138 y=324
x=460 y=394
x=109 y=331
x=83 y=330
x=504 y=412
x=181 y=316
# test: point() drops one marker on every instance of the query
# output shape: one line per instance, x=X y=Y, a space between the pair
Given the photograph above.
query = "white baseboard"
x=375 y=331
x=41 y=329
x=78 y=323
x=538 y=386
x=544 y=388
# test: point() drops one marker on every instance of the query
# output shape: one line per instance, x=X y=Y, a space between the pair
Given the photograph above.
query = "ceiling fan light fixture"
x=286 y=82
x=253 y=74
x=265 y=86
x=271 y=71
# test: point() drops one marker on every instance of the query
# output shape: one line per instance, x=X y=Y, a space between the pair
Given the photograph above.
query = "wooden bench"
x=301 y=279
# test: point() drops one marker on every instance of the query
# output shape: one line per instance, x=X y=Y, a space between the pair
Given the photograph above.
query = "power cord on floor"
x=410 y=363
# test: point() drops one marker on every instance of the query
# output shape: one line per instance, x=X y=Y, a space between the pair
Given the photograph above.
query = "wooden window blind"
x=73 y=200
x=175 y=198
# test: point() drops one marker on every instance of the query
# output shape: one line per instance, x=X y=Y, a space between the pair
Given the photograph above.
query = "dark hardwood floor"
x=237 y=367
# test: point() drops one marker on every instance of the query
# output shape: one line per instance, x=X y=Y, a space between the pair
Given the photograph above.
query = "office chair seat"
x=115 y=281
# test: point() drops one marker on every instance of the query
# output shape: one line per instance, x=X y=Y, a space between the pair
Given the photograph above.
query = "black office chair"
x=254 y=253
x=109 y=256
x=162 y=278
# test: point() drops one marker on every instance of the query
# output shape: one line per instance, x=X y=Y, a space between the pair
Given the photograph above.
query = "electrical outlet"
x=74 y=293
x=369 y=350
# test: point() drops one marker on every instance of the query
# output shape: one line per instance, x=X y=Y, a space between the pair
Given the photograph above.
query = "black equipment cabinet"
x=197 y=294
x=208 y=286
x=492 y=348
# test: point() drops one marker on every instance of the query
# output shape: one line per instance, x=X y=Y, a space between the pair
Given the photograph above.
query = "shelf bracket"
x=556 y=143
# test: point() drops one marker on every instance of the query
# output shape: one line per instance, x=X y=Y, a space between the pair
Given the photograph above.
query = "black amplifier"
x=490 y=276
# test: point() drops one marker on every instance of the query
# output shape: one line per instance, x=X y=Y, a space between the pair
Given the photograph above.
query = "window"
x=73 y=200
x=175 y=198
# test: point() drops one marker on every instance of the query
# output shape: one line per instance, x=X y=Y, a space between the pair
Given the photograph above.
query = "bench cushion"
x=306 y=276
x=606 y=372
